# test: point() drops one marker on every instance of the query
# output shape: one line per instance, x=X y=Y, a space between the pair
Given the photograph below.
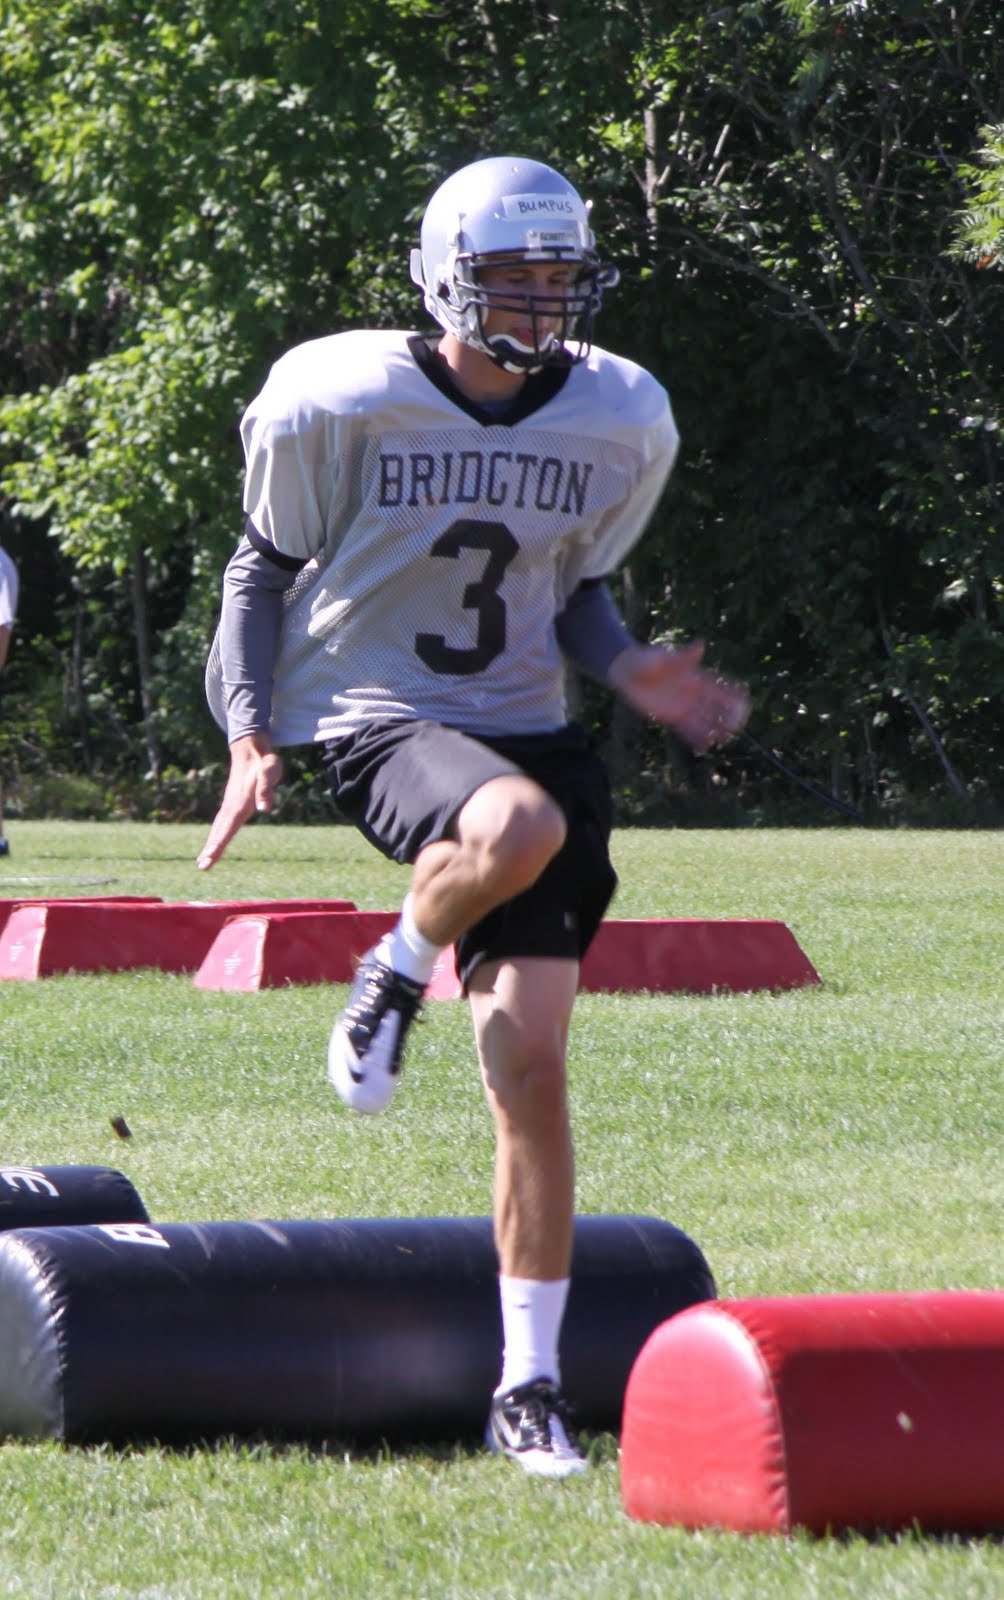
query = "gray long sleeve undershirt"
x=253 y=587
x=590 y=632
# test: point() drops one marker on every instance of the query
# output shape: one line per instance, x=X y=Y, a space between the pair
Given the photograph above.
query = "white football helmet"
x=503 y=209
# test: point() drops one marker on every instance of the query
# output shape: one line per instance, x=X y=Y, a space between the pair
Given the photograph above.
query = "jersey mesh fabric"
x=441 y=547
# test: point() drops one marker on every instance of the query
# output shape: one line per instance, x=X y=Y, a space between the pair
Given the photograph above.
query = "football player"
x=431 y=521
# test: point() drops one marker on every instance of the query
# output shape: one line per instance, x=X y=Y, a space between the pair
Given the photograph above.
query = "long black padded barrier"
x=384 y=1328
x=45 y=1197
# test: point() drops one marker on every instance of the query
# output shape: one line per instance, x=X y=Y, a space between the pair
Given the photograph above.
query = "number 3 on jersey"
x=482 y=598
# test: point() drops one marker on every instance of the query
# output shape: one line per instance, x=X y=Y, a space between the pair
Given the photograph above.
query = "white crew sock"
x=531 y=1324
x=406 y=950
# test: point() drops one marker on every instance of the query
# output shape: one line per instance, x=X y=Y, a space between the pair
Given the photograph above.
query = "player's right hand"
x=255 y=772
x=672 y=686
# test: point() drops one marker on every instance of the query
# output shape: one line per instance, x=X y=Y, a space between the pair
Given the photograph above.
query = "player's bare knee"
x=533 y=835
x=512 y=829
x=529 y=1087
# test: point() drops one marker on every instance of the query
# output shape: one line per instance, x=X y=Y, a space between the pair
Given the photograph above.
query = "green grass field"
x=835 y=1139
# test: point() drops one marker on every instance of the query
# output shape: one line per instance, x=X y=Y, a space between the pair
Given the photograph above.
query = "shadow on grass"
x=600 y=1448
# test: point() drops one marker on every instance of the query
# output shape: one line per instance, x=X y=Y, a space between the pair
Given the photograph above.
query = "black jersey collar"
x=539 y=388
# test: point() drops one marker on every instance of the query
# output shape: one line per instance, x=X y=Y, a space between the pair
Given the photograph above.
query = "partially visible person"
x=8 y=611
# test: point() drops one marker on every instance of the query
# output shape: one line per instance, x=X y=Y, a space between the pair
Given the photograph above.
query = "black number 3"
x=482 y=597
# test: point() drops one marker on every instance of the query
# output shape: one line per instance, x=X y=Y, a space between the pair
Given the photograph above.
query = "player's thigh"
x=402 y=784
x=521 y=1009
x=515 y=808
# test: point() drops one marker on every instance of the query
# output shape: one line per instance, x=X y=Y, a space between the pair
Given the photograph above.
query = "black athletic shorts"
x=403 y=783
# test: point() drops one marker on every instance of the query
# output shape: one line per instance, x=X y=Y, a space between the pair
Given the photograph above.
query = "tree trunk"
x=77 y=692
x=141 y=621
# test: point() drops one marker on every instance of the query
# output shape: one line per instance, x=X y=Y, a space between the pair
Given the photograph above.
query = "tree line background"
x=806 y=200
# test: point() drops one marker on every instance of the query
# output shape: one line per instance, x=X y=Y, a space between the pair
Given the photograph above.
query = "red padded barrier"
x=823 y=1412
x=653 y=953
x=687 y=954
x=11 y=904
x=445 y=985
x=266 y=951
x=58 y=936
x=697 y=955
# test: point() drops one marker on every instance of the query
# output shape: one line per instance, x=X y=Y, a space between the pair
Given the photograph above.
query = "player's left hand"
x=671 y=686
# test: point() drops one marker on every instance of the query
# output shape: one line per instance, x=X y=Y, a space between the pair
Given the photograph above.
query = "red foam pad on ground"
x=55 y=936
x=688 y=954
x=11 y=904
x=823 y=1412
x=266 y=951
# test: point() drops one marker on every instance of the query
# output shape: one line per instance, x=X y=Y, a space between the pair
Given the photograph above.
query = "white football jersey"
x=441 y=543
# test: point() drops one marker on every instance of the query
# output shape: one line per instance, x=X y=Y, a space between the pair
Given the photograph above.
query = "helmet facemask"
x=561 y=322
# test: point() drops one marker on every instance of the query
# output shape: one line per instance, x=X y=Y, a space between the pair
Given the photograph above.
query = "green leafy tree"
x=840 y=513
x=980 y=234
x=191 y=191
x=187 y=192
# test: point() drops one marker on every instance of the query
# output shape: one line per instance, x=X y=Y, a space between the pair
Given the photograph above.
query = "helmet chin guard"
x=501 y=210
